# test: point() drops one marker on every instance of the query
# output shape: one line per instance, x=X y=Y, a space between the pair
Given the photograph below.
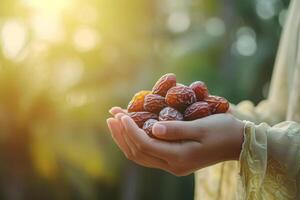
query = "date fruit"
x=162 y=86
x=147 y=127
x=200 y=90
x=217 y=104
x=170 y=114
x=154 y=103
x=196 y=111
x=137 y=102
x=141 y=117
x=180 y=97
x=169 y=101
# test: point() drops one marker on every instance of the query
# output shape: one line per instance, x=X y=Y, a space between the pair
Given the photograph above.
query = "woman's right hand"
x=180 y=147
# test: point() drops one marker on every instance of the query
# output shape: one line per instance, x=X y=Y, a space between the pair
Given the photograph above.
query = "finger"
x=152 y=162
x=131 y=145
x=116 y=110
x=160 y=149
x=176 y=130
x=119 y=116
x=143 y=158
x=137 y=154
x=116 y=133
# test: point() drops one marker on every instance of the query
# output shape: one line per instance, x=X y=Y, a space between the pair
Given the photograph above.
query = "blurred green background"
x=64 y=63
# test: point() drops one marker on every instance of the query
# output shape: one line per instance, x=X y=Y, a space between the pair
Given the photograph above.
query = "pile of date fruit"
x=171 y=101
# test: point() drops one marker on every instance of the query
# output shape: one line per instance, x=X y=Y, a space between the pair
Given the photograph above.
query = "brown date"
x=137 y=102
x=141 y=117
x=147 y=127
x=162 y=86
x=170 y=114
x=200 y=90
x=154 y=103
x=180 y=97
x=217 y=104
x=196 y=111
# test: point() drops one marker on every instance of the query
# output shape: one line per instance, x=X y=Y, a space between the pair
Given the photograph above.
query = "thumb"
x=175 y=130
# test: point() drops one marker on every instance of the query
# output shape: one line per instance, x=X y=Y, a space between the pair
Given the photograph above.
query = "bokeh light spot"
x=48 y=6
x=215 y=27
x=13 y=38
x=47 y=28
x=246 y=45
x=178 y=22
x=265 y=9
x=246 y=41
x=246 y=30
x=85 y=39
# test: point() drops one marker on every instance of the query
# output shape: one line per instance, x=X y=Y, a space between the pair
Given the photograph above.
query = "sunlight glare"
x=49 y=6
x=47 y=28
x=13 y=38
x=85 y=39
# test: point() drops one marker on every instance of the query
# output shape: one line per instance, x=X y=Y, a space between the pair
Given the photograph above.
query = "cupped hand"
x=179 y=147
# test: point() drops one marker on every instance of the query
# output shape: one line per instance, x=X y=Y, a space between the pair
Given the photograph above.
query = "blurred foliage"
x=64 y=63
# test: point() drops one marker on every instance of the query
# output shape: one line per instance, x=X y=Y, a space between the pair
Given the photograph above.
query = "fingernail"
x=112 y=110
x=159 y=129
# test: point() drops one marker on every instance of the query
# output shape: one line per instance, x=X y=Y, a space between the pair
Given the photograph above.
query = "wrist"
x=239 y=128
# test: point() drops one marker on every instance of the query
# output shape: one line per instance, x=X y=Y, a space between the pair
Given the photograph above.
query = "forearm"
x=270 y=156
